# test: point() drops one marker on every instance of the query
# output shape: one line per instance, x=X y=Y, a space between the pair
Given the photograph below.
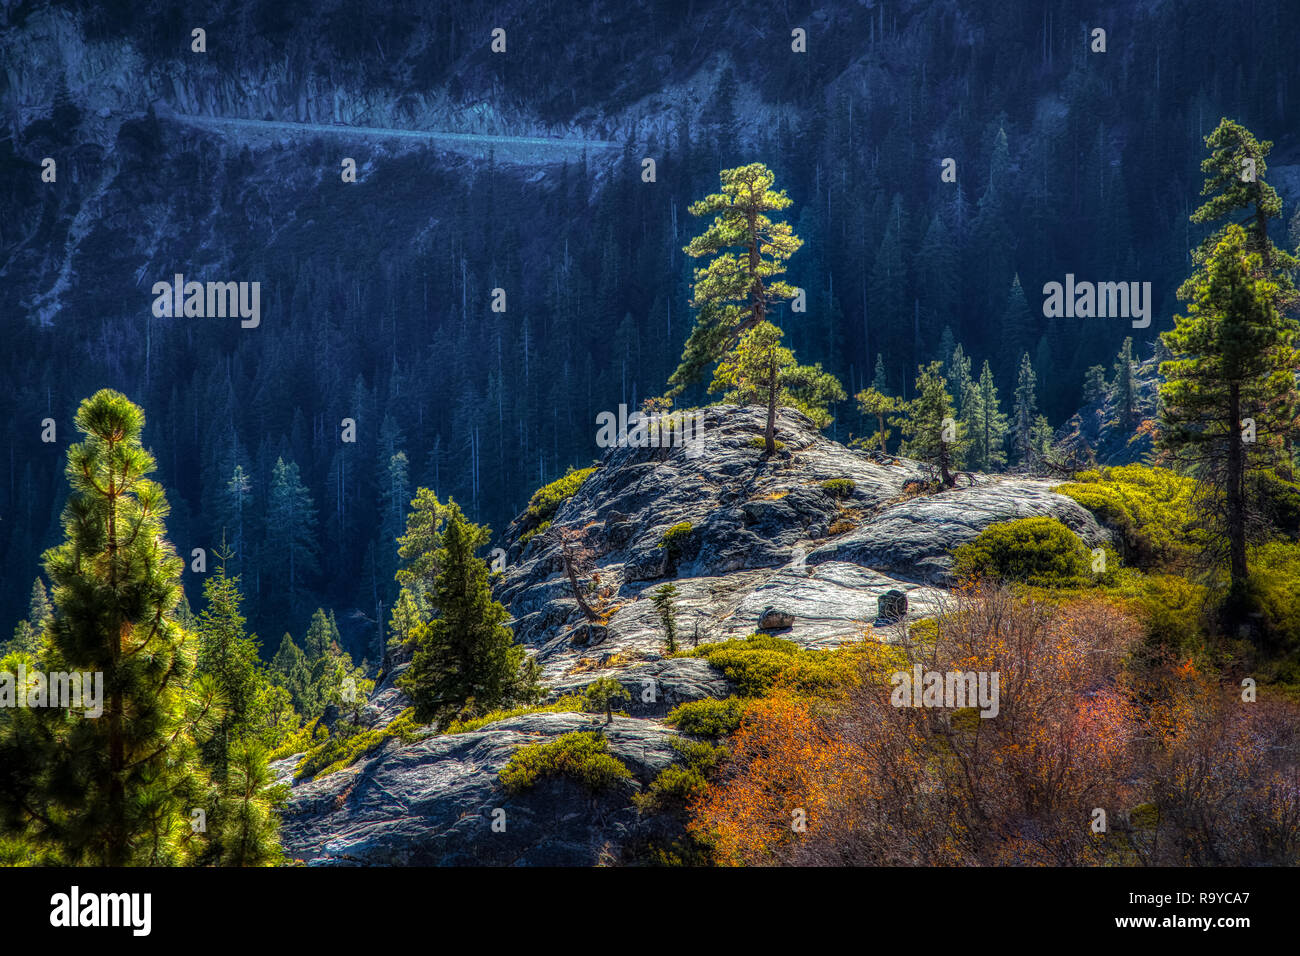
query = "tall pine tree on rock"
x=733 y=292
x=466 y=662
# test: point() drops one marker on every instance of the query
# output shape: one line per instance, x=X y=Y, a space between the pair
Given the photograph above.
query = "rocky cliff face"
x=768 y=548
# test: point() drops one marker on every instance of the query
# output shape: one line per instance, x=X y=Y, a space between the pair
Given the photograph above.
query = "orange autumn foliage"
x=1076 y=730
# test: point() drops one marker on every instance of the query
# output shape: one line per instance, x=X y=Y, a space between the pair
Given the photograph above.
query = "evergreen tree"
x=602 y=695
x=947 y=345
x=957 y=371
x=879 y=406
x=420 y=546
x=1235 y=183
x=879 y=380
x=117 y=790
x=931 y=432
x=234 y=507
x=248 y=824
x=394 y=499
x=290 y=529
x=734 y=291
x=663 y=602
x=1026 y=409
x=322 y=637
x=987 y=425
x=405 y=616
x=761 y=370
x=1018 y=331
x=27 y=635
x=229 y=658
x=1040 y=439
x=1124 y=388
x=466 y=662
x=290 y=670
x=1095 y=388
x=243 y=823
x=1234 y=356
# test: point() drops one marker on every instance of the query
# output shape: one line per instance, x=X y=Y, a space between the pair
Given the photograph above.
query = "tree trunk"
x=756 y=287
x=1236 y=491
x=587 y=611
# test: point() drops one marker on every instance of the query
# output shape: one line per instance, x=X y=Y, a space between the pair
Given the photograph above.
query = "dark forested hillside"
x=378 y=296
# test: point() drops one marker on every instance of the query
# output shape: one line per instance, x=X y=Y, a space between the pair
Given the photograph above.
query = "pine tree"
x=1234 y=356
x=322 y=637
x=420 y=546
x=1095 y=387
x=1018 y=331
x=1025 y=410
x=734 y=291
x=229 y=658
x=466 y=662
x=234 y=506
x=879 y=380
x=988 y=425
x=1041 y=438
x=290 y=529
x=931 y=432
x=290 y=670
x=243 y=825
x=947 y=345
x=1124 y=388
x=602 y=695
x=957 y=371
x=118 y=790
x=402 y=621
x=761 y=370
x=28 y=633
x=663 y=602
x=1235 y=183
x=247 y=827
x=877 y=405
x=394 y=499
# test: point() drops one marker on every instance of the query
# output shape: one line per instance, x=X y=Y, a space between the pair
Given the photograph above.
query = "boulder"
x=892 y=606
x=773 y=619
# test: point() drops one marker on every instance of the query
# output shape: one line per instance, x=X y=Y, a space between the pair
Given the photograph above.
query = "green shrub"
x=1150 y=509
x=840 y=487
x=1037 y=551
x=758 y=441
x=582 y=756
x=674 y=540
x=568 y=704
x=753 y=663
x=300 y=741
x=1171 y=608
x=547 y=499
x=708 y=717
x=678 y=784
x=340 y=750
x=1274 y=593
x=534 y=532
